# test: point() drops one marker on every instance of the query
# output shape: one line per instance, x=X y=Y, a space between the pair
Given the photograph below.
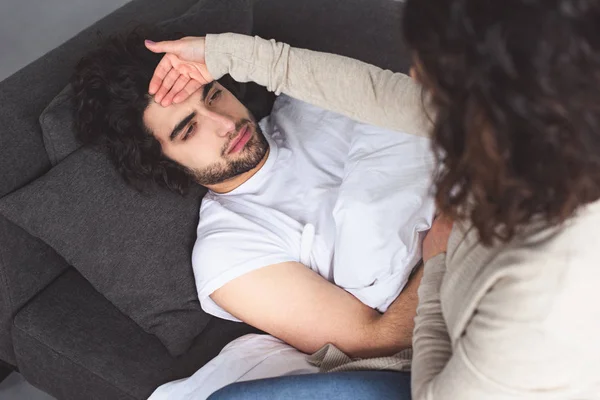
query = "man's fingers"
x=187 y=91
x=177 y=87
x=167 y=84
x=162 y=69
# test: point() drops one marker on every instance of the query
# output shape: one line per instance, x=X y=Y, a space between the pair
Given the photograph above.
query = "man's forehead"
x=159 y=119
x=162 y=121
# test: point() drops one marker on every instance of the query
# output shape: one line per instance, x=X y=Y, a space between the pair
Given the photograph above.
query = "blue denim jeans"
x=363 y=385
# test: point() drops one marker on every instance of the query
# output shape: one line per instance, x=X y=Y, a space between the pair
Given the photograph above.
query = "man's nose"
x=226 y=122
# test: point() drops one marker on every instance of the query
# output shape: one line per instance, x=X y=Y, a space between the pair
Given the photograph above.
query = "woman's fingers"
x=180 y=72
x=200 y=73
x=188 y=48
x=162 y=69
x=187 y=91
x=167 y=84
x=181 y=82
x=198 y=76
x=166 y=46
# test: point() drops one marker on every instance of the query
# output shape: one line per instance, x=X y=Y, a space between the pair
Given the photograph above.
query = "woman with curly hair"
x=509 y=302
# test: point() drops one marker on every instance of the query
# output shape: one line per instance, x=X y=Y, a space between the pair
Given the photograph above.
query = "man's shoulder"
x=224 y=219
x=228 y=224
x=233 y=238
x=218 y=214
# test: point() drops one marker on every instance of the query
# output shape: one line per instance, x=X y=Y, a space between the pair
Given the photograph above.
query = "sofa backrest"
x=368 y=30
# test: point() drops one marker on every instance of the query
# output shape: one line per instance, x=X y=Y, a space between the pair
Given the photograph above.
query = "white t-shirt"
x=346 y=199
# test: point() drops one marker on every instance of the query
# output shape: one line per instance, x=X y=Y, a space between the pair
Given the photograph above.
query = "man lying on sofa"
x=312 y=223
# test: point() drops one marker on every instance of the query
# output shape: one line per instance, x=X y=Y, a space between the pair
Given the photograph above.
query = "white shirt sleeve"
x=228 y=245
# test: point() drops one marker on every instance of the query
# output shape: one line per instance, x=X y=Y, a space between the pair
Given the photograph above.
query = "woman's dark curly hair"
x=110 y=87
x=515 y=85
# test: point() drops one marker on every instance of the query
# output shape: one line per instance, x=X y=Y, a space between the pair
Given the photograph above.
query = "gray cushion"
x=134 y=248
x=206 y=16
x=58 y=129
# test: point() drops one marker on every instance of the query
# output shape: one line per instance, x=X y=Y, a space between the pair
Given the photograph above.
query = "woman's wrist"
x=220 y=48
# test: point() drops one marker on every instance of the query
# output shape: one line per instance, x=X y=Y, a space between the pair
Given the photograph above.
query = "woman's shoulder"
x=532 y=304
x=536 y=272
x=552 y=282
x=555 y=270
x=578 y=237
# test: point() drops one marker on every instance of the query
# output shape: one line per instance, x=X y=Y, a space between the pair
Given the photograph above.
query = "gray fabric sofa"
x=64 y=336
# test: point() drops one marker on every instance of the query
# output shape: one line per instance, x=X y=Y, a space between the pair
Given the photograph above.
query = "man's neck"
x=235 y=182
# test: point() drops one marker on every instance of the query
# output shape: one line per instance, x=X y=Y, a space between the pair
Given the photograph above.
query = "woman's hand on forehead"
x=181 y=71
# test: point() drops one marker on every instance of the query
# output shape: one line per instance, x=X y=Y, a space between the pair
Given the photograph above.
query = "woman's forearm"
x=359 y=90
x=431 y=344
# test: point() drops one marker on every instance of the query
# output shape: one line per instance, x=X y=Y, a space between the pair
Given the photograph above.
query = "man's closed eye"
x=214 y=97
x=189 y=132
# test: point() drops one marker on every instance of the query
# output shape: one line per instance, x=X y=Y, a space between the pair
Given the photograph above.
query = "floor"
x=28 y=30
x=14 y=387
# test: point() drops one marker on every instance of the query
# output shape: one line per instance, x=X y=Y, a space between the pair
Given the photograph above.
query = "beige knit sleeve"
x=533 y=334
x=431 y=343
x=359 y=90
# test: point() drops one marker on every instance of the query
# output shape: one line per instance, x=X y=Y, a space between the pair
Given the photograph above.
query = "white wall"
x=31 y=28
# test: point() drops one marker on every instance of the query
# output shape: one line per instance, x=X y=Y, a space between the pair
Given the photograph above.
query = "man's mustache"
x=238 y=129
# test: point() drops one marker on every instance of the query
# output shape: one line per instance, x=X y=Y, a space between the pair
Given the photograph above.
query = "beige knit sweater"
x=517 y=321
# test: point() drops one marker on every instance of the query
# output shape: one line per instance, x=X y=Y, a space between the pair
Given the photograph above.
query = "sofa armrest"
x=73 y=343
x=27 y=265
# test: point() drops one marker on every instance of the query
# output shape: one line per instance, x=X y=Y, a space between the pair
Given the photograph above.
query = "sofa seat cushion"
x=71 y=332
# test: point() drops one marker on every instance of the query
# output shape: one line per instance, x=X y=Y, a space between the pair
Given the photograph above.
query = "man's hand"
x=181 y=71
x=436 y=240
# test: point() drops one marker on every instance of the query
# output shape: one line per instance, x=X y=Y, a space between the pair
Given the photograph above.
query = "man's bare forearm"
x=394 y=329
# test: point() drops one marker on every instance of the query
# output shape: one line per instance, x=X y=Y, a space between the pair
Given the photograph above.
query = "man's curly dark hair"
x=516 y=89
x=110 y=86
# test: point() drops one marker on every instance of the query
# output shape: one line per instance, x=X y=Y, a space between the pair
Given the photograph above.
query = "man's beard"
x=251 y=155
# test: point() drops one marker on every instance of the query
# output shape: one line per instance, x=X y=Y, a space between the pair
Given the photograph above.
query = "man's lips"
x=240 y=140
